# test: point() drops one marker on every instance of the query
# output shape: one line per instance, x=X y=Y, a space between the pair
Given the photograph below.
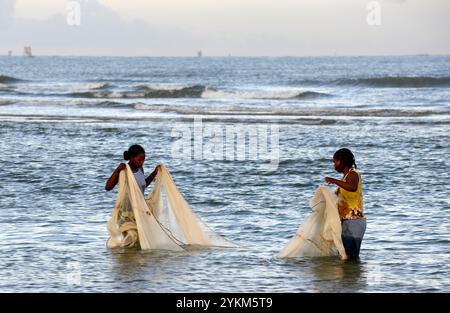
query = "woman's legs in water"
x=352 y=235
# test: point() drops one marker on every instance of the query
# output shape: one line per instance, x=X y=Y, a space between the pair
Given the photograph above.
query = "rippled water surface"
x=64 y=123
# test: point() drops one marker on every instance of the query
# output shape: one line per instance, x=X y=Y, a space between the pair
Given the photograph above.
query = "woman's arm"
x=351 y=183
x=113 y=180
x=152 y=176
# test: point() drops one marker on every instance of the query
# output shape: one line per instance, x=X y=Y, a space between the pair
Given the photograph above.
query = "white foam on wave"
x=4 y=87
x=289 y=111
x=62 y=87
x=268 y=94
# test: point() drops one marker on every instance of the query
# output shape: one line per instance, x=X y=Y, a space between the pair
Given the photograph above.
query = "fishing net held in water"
x=320 y=233
x=163 y=220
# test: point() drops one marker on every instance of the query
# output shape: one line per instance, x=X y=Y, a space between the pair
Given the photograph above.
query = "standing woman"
x=135 y=156
x=350 y=204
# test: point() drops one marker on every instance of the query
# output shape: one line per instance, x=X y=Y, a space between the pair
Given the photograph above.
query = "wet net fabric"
x=320 y=233
x=163 y=220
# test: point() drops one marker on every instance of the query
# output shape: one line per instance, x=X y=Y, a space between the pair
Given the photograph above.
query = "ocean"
x=65 y=122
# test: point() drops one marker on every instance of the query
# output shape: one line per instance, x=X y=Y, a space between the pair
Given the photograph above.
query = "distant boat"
x=200 y=53
x=9 y=53
x=27 y=51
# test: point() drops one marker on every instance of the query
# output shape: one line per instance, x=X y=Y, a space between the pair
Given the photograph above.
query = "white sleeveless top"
x=140 y=179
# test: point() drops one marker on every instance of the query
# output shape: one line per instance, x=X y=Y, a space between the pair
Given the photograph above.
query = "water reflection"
x=151 y=268
x=330 y=274
x=338 y=275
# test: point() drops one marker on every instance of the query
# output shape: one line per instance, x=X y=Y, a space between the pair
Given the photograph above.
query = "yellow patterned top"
x=350 y=204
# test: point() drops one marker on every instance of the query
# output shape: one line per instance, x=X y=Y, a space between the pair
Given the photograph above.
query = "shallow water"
x=56 y=158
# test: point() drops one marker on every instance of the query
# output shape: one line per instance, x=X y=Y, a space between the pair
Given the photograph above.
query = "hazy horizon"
x=20 y=54
x=249 y=28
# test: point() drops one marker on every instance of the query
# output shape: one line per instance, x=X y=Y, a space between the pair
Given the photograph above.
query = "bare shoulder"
x=353 y=176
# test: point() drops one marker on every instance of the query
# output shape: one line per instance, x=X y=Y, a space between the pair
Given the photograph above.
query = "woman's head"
x=135 y=155
x=343 y=158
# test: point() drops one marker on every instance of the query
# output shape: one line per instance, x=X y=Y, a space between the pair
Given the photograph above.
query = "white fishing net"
x=163 y=220
x=320 y=233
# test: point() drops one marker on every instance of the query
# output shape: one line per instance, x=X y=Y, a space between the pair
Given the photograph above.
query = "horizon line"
x=229 y=56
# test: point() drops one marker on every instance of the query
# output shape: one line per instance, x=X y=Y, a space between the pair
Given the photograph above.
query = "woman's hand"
x=152 y=176
x=330 y=180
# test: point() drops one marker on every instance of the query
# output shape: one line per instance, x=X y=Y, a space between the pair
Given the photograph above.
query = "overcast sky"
x=224 y=27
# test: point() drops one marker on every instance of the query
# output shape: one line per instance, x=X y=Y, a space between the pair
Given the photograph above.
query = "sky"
x=225 y=27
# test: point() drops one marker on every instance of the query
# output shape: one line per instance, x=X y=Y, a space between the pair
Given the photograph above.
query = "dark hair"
x=133 y=151
x=346 y=157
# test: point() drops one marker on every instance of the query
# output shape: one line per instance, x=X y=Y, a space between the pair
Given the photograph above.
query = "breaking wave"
x=197 y=92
